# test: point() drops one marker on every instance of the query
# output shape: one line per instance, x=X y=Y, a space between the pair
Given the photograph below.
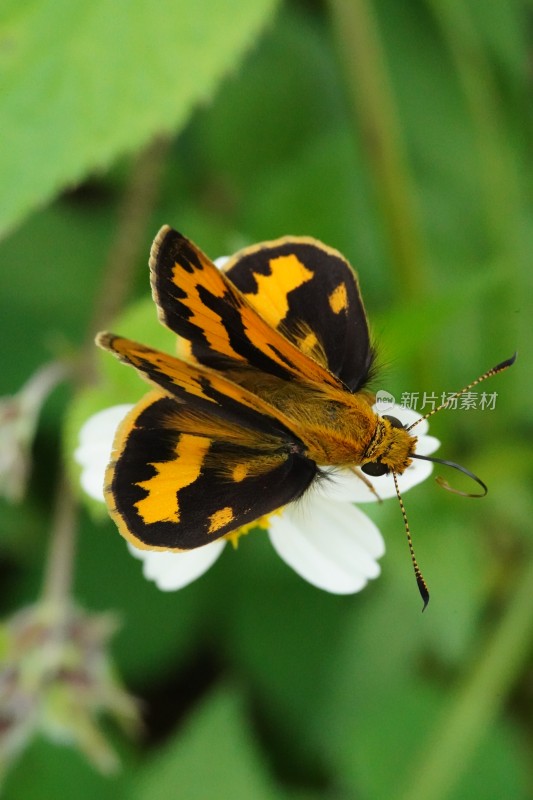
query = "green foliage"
x=85 y=82
x=221 y=731
x=256 y=684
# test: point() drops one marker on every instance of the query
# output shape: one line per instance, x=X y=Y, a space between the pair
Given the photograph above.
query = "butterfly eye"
x=375 y=468
x=393 y=421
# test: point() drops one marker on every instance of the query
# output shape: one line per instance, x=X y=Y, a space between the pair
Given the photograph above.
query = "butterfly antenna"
x=443 y=483
x=464 y=470
x=494 y=371
x=421 y=583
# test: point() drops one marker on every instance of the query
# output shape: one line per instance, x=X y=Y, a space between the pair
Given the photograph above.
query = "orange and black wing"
x=190 y=467
x=208 y=387
x=199 y=302
x=309 y=293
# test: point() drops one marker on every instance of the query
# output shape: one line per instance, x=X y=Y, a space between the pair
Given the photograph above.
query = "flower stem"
x=372 y=103
x=478 y=699
x=42 y=382
x=59 y=566
x=129 y=242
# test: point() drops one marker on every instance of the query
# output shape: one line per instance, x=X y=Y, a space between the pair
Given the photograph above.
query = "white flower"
x=94 y=449
x=323 y=537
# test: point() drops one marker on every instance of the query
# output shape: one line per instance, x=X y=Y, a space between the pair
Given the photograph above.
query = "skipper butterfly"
x=275 y=391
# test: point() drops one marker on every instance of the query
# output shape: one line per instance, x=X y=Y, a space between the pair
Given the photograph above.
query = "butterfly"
x=275 y=391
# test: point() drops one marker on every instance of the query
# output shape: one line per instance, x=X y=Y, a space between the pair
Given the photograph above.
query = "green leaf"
x=84 y=82
x=46 y=768
x=215 y=756
x=284 y=635
x=384 y=709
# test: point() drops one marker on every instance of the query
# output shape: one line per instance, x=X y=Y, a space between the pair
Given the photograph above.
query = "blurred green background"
x=398 y=133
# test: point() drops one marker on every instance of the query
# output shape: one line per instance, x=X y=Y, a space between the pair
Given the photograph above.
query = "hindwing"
x=309 y=293
x=182 y=477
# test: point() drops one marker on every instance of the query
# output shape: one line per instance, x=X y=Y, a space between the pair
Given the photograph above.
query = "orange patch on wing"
x=220 y=518
x=270 y=299
x=205 y=318
x=338 y=299
x=308 y=343
x=240 y=471
x=161 y=504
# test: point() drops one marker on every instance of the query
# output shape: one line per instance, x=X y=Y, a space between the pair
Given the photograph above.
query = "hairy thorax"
x=336 y=427
x=352 y=434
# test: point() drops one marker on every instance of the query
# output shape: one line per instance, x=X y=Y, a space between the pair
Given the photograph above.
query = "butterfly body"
x=274 y=392
x=336 y=426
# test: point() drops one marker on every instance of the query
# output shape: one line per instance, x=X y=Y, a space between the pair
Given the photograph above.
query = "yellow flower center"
x=261 y=522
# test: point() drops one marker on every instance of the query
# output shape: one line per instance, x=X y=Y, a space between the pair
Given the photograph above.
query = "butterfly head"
x=392 y=450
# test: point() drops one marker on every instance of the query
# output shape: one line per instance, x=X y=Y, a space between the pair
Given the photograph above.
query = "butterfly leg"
x=356 y=471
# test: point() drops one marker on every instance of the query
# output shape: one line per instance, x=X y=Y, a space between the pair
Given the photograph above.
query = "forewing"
x=308 y=292
x=197 y=301
x=208 y=389
x=172 y=487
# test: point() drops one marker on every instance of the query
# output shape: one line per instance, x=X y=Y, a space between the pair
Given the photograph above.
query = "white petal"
x=427 y=445
x=92 y=483
x=172 y=571
x=407 y=416
x=343 y=485
x=221 y=261
x=95 y=444
x=102 y=425
x=334 y=546
x=418 y=471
